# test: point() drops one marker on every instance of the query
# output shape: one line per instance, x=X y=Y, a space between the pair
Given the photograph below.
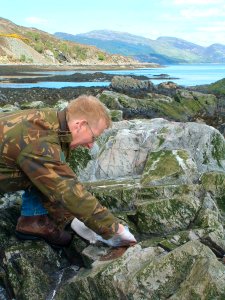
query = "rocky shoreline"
x=161 y=170
x=16 y=69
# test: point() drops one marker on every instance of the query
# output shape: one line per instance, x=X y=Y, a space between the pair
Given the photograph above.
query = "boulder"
x=191 y=271
x=188 y=147
x=127 y=84
x=178 y=104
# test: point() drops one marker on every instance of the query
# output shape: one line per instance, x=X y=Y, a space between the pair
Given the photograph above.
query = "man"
x=34 y=145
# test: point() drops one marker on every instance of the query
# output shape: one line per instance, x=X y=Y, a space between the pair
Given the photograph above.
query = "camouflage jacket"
x=33 y=146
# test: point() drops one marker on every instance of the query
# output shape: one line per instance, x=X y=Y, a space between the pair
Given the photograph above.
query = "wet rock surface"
x=76 y=77
x=48 y=96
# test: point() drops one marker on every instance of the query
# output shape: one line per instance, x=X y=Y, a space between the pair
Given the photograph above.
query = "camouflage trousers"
x=12 y=179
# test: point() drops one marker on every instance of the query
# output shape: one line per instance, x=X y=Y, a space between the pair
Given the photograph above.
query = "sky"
x=198 y=21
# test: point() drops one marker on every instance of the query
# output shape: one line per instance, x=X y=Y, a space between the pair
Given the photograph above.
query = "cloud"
x=197 y=2
x=203 y=13
x=36 y=21
x=218 y=26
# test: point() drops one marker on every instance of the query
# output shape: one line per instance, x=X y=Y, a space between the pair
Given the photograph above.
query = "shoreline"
x=14 y=69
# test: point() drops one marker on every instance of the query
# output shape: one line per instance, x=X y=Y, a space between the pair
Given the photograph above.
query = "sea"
x=183 y=74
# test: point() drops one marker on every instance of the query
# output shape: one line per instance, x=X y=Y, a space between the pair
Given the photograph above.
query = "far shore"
x=14 y=69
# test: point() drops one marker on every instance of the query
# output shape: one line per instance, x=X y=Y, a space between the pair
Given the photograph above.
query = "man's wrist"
x=120 y=229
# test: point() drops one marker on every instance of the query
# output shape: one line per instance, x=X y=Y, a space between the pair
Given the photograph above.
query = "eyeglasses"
x=94 y=138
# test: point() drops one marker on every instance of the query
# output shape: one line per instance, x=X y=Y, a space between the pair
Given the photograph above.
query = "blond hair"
x=90 y=108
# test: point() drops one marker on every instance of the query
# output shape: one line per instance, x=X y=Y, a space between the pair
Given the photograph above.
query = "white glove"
x=124 y=238
x=83 y=231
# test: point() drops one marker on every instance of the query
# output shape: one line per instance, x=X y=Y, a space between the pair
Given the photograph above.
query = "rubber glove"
x=82 y=230
x=122 y=238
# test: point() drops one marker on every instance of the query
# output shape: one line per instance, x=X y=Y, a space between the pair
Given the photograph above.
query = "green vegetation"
x=39 y=47
x=79 y=158
x=25 y=59
x=78 y=52
x=217 y=87
x=218 y=151
x=63 y=47
x=41 y=42
x=34 y=36
x=22 y=58
x=101 y=56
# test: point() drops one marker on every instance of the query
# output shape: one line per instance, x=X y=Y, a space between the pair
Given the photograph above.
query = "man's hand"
x=123 y=237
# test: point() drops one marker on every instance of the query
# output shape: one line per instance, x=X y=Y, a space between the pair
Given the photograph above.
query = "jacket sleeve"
x=42 y=164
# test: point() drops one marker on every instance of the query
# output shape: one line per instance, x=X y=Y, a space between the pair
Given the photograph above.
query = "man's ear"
x=82 y=123
x=75 y=125
x=78 y=124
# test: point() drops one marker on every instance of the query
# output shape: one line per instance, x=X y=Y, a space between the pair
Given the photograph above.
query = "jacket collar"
x=65 y=135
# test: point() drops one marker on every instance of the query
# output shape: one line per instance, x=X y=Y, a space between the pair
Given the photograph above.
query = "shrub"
x=79 y=53
x=39 y=47
x=63 y=47
x=22 y=58
x=101 y=56
x=33 y=36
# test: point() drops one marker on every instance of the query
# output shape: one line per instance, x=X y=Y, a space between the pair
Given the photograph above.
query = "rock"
x=167 y=85
x=61 y=104
x=9 y=108
x=167 y=193
x=29 y=270
x=113 y=100
x=50 y=55
x=214 y=183
x=151 y=273
x=170 y=167
x=176 y=104
x=31 y=279
x=127 y=84
x=116 y=115
x=93 y=253
x=197 y=100
x=166 y=215
x=166 y=181
x=204 y=148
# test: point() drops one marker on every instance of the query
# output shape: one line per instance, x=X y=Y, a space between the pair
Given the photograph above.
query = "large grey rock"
x=126 y=146
x=126 y=84
x=151 y=273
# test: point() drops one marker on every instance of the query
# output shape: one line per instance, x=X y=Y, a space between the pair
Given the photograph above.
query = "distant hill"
x=164 y=50
x=20 y=44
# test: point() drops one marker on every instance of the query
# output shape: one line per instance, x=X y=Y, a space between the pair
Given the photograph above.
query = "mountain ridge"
x=162 y=50
x=19 y=44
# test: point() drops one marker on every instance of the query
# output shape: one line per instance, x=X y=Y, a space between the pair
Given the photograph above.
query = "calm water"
x=195 y=74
